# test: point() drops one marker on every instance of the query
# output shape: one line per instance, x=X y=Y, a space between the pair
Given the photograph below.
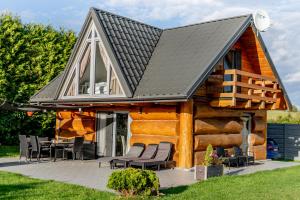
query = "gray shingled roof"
x=184 y=53
x=133 y=43
x=161 y=64
x=48 y=92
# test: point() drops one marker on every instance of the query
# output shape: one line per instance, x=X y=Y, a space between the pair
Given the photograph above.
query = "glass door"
x=121 y=133
x=104 y=134
x=112 y=134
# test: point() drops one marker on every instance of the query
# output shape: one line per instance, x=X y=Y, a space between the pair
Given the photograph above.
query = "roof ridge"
x=210 y=21
x=127 y=18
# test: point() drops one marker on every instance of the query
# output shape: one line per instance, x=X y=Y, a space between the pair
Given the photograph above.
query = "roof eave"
x=286 y=97
x=113 y=100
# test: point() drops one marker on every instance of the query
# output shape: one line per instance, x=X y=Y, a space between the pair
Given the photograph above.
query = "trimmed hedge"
x=132 y=181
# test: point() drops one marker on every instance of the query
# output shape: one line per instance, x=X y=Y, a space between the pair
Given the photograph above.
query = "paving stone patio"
x=87 y=173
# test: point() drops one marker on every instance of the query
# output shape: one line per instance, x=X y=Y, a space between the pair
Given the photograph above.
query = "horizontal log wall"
x=71 y=124
x=154 y=124
x=222 y=127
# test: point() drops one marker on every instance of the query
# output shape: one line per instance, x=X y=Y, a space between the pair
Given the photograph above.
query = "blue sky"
x=282 y=39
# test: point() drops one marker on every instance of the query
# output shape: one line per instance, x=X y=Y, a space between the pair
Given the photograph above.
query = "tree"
x=30 y=56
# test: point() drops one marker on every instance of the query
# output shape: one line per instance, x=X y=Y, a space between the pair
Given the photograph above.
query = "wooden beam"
x=263 y=95
x=248 y=85
x=274 y=96
x=234 y=89
x=186 y=135
x=248 y=74
x=246 y=96
x=250 y=91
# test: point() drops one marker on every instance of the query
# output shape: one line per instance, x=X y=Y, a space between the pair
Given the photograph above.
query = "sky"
x=282 y=39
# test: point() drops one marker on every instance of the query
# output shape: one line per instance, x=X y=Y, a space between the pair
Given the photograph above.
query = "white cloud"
x=293 y=78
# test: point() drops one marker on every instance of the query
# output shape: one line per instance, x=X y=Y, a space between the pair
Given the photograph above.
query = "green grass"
x=9 y=151
x=283 y=117
x=15 y=186
x=277 y=184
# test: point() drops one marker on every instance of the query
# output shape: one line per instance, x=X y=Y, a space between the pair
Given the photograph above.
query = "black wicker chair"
x=226 y=159
x=242 y=157
x=24 y=147
x=34 y=147
x=75 y=149
x=43 y=147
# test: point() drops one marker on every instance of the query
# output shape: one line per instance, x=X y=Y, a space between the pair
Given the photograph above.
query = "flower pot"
x=205 y=172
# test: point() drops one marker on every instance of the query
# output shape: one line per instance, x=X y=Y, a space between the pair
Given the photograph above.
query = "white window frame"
x=76 y=66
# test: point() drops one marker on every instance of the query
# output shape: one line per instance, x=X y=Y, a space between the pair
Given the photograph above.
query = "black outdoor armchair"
x=24 y=147
x=243 y=158
x=227 y=159
x=44 y=146
x=76 y=148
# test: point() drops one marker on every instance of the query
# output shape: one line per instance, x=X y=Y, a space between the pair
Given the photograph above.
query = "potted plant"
x=211 y=167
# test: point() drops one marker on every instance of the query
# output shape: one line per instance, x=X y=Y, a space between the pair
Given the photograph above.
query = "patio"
x=87 y=173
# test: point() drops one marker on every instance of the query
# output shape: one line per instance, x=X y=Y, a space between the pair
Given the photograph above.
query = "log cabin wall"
x=154 y=124
x=150 y=124
x=73 y=123
x=222 y=127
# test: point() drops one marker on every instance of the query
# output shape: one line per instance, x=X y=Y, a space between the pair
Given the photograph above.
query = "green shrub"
x=131 y=182
x=208 y=159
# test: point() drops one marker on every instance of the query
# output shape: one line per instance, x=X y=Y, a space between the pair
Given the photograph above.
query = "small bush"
x=208 y=159
x=211 y=157
x=131 y=182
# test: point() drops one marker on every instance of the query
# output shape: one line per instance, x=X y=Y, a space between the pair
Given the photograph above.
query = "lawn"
x=283 y=117
x=277 y=184
x=14 y=186
x=9 y=151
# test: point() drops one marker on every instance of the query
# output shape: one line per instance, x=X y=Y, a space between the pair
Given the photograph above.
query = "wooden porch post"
x=186 y=135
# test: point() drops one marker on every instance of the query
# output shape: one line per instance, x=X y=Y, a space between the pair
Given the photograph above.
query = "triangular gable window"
x=71 y=86
x=92 y=71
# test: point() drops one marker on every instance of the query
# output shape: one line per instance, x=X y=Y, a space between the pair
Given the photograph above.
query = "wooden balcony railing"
x=255 y=88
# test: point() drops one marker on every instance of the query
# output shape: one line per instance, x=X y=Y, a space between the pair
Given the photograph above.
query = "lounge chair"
x=162 y=157
x=226 y=159
x=149 y=153
x=134 y=152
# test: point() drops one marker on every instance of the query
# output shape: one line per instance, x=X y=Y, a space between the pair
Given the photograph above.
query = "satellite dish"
x=261 y=20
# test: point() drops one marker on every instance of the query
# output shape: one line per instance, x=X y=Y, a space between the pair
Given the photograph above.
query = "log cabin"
x=194 y=85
